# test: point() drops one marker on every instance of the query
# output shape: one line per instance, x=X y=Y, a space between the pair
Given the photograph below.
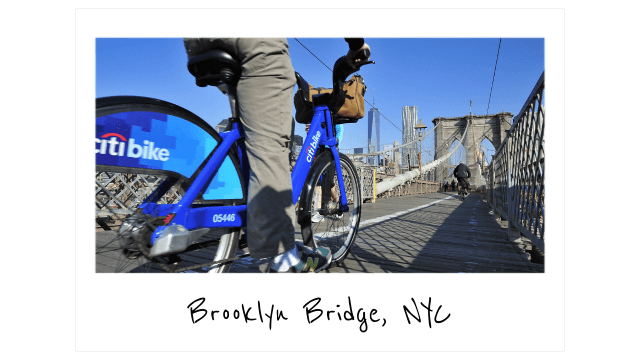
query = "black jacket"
x=461 y=171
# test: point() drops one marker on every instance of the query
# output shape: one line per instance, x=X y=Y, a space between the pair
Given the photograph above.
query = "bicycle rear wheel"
x=154 y=140
x=337 y=230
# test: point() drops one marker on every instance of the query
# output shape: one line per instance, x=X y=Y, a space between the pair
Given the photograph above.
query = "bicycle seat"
x=215 y=67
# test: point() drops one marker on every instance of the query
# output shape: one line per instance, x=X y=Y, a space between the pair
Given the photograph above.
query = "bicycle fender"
x=149 y=136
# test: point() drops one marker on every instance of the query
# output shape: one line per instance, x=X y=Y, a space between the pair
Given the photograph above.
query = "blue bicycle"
x=148 y=136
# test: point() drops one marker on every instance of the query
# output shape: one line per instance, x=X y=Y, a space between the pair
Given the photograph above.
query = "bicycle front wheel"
x=319 y=217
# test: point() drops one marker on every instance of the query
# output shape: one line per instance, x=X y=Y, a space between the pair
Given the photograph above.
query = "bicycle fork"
x=320 y=134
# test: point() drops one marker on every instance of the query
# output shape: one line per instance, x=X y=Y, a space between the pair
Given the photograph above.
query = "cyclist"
x=462 y=173
x=264 y=92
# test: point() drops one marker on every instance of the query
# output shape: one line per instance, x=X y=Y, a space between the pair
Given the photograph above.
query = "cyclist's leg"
x=328 y=178
x=264 y=93
x=324 y=193
x=317 y=200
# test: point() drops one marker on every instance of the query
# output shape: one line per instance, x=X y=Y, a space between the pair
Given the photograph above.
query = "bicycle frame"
x=181 y=217
x=320 y=134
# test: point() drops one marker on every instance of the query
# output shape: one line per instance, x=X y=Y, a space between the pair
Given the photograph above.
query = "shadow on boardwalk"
x=451 y=236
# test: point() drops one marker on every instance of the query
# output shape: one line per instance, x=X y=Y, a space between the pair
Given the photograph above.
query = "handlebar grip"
x=363 y=55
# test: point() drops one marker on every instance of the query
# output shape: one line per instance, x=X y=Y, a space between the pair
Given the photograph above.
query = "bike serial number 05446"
x=223 y=218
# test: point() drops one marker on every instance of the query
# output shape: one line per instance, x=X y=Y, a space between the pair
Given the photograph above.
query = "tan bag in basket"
x=351 y=104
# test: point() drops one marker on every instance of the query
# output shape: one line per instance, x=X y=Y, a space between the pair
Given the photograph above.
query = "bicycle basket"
x=350 y=106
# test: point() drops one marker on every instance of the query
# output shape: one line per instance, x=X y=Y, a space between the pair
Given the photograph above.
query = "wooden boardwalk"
x=402 y=235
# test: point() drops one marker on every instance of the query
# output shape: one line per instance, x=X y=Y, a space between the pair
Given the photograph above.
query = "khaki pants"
x=265 y=93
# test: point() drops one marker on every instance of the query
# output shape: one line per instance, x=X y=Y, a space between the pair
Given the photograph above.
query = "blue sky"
x=436 y=60
x=438 y=75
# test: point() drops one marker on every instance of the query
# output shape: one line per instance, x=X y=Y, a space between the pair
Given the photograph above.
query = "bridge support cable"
x=388 y=184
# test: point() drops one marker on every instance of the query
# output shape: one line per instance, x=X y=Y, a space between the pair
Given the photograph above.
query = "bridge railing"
x=119 y=194
x=516 y=173
x=367 y=177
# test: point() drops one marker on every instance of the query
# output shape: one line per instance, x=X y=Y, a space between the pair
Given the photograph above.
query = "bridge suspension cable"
x=392 y=149
x=494 y=75
x=388 y=184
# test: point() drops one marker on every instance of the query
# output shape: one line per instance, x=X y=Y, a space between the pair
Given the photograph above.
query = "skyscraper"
x=374 y=131
x=409 y=121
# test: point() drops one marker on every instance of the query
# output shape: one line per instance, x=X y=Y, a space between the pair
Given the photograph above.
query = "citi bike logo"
x=117 y=148
x=311 y=150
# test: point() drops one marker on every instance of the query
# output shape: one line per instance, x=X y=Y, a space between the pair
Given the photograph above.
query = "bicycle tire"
x=116 y=251
x=338 y=233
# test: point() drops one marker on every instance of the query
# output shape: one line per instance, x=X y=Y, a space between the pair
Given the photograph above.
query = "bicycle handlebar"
x=341 y=69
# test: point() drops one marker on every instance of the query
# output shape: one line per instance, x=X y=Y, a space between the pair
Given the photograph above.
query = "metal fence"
x=367 y=177
x=119 y=194
x=412 y=187
x=516 y=174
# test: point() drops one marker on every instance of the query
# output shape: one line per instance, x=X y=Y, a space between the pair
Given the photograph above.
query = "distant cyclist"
x=462 y=173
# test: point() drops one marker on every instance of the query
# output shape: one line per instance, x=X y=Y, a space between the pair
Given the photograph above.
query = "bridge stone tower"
x=491 y=127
